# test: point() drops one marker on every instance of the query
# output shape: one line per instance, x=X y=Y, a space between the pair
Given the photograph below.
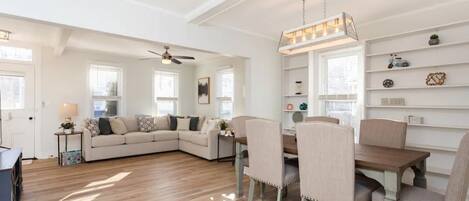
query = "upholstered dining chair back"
x=265 y=147
x=322 y=119
x=459 y=179
x=239 y=125
x=326 y=161
x=383 y=132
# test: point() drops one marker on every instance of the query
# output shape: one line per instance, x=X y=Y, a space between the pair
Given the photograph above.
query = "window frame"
x=177 y=90
x=22 y=46
x=120 y=87
x=220 y=99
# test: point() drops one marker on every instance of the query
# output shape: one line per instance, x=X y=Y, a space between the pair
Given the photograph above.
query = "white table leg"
x=420 y=170
x=239 y=169
x=392 y=185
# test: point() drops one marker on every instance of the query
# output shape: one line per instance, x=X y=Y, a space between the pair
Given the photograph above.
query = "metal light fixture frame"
x=328 y=32
x=4 y=35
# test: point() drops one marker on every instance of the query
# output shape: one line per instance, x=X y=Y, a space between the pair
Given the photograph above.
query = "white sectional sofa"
x=134 y=142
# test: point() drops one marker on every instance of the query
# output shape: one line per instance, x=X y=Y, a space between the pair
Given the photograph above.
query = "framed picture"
x=204 y=90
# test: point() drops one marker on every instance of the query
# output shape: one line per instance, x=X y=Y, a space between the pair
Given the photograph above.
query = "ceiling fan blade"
x=176 y=61
x=184 y=57
x=154 y=52
x=143 y=59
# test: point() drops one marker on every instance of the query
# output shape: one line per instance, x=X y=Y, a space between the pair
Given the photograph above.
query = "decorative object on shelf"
x=289 y=106
x=388 y=83
x=297 y=117
x=303 y=106
x=67 y=111
x=391 y=61
x=434 y=40
x=411 y=119
x=327 y=32
x=392 y=101
x=204 y=90
x=396 y=61
x=437 y=78
x=298 y=87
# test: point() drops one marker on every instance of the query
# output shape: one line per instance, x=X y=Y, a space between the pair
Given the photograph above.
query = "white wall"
x=64 y=80
x=209 y=69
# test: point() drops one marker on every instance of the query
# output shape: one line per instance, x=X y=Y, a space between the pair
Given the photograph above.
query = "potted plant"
x=67 y=127
x=434 y=40
x=223 y=125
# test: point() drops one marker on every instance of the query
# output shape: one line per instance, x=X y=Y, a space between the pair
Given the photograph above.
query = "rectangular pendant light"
x=329 y=32
x=4 y=36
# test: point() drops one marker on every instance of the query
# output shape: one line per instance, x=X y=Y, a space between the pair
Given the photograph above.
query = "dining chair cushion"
x=322 y=119
x=410 y=193
x=382 y=132
x=459 y=179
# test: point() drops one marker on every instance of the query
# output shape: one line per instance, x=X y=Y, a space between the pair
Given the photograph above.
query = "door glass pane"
x=15 y=53
x=226 y=109
x=165 y=107
x=12 y=92
x=342 y=75
x=104 y=82
x=105 y=108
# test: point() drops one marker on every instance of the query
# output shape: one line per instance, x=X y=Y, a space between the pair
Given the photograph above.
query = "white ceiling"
x=269 y=18
x=48 y=35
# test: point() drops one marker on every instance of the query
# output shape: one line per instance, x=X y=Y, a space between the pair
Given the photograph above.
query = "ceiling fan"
x=167 y=58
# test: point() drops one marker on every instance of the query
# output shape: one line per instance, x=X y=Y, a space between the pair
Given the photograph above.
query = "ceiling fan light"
x=166 y=61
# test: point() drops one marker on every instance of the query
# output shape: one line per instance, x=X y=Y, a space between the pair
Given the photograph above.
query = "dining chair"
x=266 y=162
x=322 y=119
x=383 y=132
x=457 y=185
x=326 y=154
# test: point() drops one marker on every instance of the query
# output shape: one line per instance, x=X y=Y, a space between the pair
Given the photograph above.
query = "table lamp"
x=68 y=110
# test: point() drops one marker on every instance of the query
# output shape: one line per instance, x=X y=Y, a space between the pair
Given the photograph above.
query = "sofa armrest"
x=86 y=144
x=212 y=136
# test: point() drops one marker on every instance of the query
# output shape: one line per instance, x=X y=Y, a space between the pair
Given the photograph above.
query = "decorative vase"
x=298 y=87
x=303 y=106
x=434 y=41
x=290 y=106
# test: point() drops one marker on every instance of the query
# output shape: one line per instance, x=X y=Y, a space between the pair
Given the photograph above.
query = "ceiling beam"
x=64 y=35
x=210 y=9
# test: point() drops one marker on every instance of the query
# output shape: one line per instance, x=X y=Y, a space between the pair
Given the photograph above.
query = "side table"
x=230 y=158
x=59 y=134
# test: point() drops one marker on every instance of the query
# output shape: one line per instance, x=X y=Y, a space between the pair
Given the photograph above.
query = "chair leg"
x=262 y=190
x=279 y=195
x=252 y=186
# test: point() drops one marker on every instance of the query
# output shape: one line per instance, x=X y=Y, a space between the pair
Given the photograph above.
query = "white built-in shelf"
x=419 y=87
x=445 y=107
x=295 y=68
x=289 y=129
x=440 y=126
x=295 y=110
x=419 y=48
x=418 y=67
x=294 y=95
x=430 y=147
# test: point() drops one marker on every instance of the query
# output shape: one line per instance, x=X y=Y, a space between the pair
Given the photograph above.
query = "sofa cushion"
x=173 y=122
x=183 y=124
x=138 y=137
x=194 y=137
x=118 y=126
x=104 y=126
x=163 y=135
x=162 y=123
x=209 y=124
x=107 y=140
x=194 y=123
x=92 y=126
x=130 y=123
x=146 y=123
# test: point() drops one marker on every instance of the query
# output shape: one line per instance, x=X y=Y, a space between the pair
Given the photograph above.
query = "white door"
x=17 y=103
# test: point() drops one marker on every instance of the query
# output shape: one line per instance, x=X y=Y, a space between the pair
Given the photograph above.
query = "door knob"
x=31 y=118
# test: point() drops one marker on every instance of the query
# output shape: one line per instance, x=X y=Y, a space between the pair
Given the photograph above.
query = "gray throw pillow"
x=146 y=123
x=104 y=126
x=92 y=126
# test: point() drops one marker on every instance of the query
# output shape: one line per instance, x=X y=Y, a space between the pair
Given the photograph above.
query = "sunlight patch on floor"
x=112 y=179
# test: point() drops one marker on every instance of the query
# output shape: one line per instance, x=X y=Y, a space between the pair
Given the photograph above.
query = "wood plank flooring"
x=164 y=176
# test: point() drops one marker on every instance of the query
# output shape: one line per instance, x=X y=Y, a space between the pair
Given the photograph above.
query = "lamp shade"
x=69 y=110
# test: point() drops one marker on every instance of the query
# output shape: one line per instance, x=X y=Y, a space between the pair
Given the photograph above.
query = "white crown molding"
x=210 y=9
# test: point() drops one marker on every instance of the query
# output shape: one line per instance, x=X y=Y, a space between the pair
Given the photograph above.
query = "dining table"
x=385 y=165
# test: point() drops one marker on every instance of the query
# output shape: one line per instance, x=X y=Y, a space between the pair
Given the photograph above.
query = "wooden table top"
x=367 y=156
x=73 y=133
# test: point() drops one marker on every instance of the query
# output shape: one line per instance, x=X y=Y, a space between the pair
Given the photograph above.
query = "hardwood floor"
x=164 y=176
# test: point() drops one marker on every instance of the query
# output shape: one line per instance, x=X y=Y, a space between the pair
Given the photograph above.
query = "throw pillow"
x=194 y=123
x=201 y=122
x=130 y=123
x=104 y=126
x=146 y=123
x=173 y=122
x=118 y=126
x=183 y=124
x=92 y=126
x=162 y=123
x=208 y=125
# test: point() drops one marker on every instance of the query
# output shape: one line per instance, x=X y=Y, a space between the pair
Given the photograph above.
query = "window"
x=12 y=92
x=225 y=93
x=106 y=84
x=339 y=86
x=15 y=53
x=166 y=92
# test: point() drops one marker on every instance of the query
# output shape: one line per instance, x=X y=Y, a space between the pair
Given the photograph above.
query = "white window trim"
x=121 y=89
x=177 y=88
x=221 y=99
x=35 y=51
